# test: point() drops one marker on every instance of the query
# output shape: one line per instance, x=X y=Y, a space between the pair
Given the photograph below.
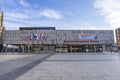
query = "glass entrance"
x=76 y=48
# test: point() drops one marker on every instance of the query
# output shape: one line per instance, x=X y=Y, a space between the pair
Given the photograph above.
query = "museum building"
x=40 y=39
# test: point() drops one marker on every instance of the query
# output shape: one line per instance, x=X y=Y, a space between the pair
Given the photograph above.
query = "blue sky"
x=62 y=14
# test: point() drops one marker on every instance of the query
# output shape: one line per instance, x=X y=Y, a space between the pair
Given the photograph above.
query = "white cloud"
x=24 y=3
x=111 y=10
x=50 y=13
x=27 y=14
x=15 y=15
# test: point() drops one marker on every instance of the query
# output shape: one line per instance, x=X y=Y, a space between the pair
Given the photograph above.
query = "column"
x=23 y=49
x=6 y=48
x=94 y=48
x=103 y=47
x=71 y=48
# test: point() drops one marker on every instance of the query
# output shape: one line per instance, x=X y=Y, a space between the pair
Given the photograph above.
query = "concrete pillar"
x=71 y=48
x=23 y=49
x=28 y=48
x=46 y=48
x=103 y=47
x=94 y=48
x=6 y=48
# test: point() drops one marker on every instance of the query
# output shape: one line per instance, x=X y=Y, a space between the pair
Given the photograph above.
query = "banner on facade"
x=86 y=36
x=34 y=36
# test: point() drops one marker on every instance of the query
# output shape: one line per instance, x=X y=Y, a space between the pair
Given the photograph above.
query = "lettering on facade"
x=81 y=41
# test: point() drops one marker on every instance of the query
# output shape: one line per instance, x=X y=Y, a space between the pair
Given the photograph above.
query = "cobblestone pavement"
x=76 y=66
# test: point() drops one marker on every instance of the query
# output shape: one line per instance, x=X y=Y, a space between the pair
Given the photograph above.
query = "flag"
x=29 y=37
x=40 y=36
x=34 y=36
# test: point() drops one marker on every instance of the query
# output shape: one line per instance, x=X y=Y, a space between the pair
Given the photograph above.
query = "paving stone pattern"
x=76 y=66
x=12 y=68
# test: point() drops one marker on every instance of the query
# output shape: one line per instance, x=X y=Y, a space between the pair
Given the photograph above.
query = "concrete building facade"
x=47 y=39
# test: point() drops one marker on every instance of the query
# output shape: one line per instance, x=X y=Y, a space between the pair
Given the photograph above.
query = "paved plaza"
x=60 y=66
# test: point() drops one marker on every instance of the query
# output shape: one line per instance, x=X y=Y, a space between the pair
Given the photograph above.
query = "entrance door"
x=37 y=48
x=77 y=48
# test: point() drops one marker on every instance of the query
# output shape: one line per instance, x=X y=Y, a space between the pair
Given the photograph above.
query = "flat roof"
x=36 y=28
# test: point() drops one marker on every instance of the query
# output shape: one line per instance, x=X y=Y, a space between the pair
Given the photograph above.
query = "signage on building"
x=87 y=36
x=84 y=38
x=35 y=36
x=82 y=41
